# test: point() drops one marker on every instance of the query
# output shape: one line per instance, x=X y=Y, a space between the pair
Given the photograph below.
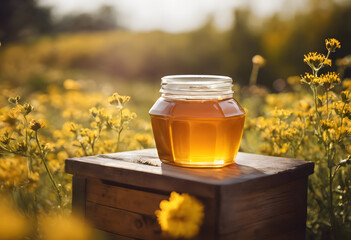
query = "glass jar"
x=196 y=122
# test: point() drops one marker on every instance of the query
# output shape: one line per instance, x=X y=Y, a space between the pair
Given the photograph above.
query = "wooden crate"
x=259 y=197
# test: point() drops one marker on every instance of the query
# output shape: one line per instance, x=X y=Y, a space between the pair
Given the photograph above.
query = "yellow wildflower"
x=304 y=105
x=181 y=216
x=11 y=117
x=27 y=108
x=33 y=180
x=13 y=171
x=316 y=60
x=347 y=83
x=332 y=44
x=118 y=100
x=13 y=225
x=328 y=79
x=308 y=78
x=281 y=113
x=5 y=136
x=73 y=127
x=60 y=227
x=14 y=100
x=348 y=149
x=292 y=80
x=144 y=139
x=327 y=124
x=258 y=60
x=345 y=96
x=70 y=84
x=35 y=125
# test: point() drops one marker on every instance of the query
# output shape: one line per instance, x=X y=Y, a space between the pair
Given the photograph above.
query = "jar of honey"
x=196 y=122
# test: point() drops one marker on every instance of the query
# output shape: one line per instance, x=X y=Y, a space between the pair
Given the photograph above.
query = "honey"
x=197 y=130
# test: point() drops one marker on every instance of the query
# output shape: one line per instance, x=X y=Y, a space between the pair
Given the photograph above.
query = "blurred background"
x=66 y=57
x=127 y=46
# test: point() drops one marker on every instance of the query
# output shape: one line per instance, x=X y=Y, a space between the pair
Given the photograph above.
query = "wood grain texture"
x=123 y=198
x=265 y=213
x=78 y=195
x=130 y=224
x=123 y=222
x=258 y=197
x=142 y=168
x=142 y=203
x=111 y=236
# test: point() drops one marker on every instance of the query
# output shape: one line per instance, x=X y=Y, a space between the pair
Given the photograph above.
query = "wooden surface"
x=143 y=169
x=124 y=198
x=78 y=195
x=267 y=213
x=108 y=204
x=258 y=197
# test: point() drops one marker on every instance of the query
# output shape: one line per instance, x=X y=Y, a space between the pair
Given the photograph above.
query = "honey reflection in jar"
x=197 y=133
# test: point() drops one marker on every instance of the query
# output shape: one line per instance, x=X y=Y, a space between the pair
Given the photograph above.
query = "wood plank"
x=124 y=198
x=122 y=222
x=78 y=195
x=139 y=179
x=256 y=209
x=140 y=168
x=294 y=235
x=142 y=202
x=111 y=236
x=271 y=228
x=135 y=225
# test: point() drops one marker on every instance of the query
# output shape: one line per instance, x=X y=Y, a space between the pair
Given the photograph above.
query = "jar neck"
x=196 y=87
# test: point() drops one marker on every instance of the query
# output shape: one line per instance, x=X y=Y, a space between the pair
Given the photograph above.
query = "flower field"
x=46 y=117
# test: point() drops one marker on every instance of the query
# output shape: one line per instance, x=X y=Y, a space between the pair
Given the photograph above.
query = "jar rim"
x=196 y=87
x=196 y=78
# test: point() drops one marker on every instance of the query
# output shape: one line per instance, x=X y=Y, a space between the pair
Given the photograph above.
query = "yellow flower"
x=60 y=227
x=13 y=171
x=304 y=105
x=5 y=136
x=13 y=225
x=181 y=216
x=118 y=100
x=258 y=60
x=327 y=124
x=347 y=83
x=35 y=125
x=70 y=84
x=73 y=127
x=281 y=113
x=332 y=44
x=144 y=139
x=14 y=100
x=316 y=60
x=11 y=117
x=345 y=95
x=33 y=180
x=348 y=149
x=327 y=80
x=292 y=80
x=308 y=78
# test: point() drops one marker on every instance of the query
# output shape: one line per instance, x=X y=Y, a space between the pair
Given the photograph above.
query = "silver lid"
x=197 y=87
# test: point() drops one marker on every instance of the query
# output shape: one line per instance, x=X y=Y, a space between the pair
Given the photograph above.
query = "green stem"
x=29 y=158
x=83 y=148
x=119 y=139
x=48 y=170
x=341 y=120
x=119 y=131
x=327 y=103
x=331 y=206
